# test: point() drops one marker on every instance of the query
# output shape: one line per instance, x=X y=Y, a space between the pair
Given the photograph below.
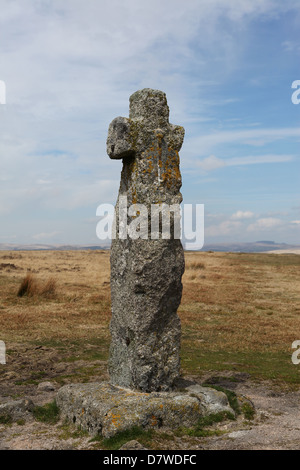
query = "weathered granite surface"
x=146 y=273
x=104 y=409
x=16 y=409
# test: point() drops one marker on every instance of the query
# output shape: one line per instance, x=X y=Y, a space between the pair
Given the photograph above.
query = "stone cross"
x=146 y=272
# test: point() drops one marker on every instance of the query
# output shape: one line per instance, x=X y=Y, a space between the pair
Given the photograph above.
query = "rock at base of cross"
x=104 y=409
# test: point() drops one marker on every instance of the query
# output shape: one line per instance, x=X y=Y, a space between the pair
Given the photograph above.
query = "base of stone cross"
x=104 y=409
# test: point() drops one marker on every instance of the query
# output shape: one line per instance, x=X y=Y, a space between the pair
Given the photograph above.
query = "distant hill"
x=40 y=247
x=255 y=247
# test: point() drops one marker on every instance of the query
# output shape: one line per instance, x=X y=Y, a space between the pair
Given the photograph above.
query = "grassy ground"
x=239 y=312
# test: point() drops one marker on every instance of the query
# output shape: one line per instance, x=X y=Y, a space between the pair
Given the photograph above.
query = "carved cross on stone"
x=150 y=145
x=146 y=274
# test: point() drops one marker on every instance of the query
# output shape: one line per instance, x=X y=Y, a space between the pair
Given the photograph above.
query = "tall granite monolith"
x=146 y=266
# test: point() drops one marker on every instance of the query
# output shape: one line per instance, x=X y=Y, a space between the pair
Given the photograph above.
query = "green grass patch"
x=5 y=419
x=205 y=421
x=244 y=408
x=78 y=349
x=48 y=413
x=214 y=418
x=21 y=422
x=96 y=350
x=231 y=396
x=60 y=345
x=89 y=355
x=33 y=380
x=263 y=365
x=248 y=411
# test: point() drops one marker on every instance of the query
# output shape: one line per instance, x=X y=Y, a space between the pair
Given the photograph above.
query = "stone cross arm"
x=148 y=122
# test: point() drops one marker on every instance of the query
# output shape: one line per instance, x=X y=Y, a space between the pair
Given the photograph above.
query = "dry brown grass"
x=195 y=265
x=68 y=296
x=48 y=289
x=245 y=300
x=31 y=286
x=28 y=286
x=234 y=303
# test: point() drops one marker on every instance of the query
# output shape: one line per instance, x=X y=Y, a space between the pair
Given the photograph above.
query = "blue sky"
x=227 y=67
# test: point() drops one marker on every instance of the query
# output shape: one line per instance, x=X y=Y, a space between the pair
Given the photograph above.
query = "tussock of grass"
x=49 y=288
x=30 y=287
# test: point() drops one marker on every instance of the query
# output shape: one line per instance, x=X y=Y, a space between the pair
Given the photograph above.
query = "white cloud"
x=43 y=236
x=208 y=143
x=73 y=55
x=259 y=159
x=228 y=227
x=210 y=163
x=240 y=215
x=237 y=226
x=268 y=223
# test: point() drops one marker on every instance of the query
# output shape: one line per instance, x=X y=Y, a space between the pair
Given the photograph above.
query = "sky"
x=227 y=68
